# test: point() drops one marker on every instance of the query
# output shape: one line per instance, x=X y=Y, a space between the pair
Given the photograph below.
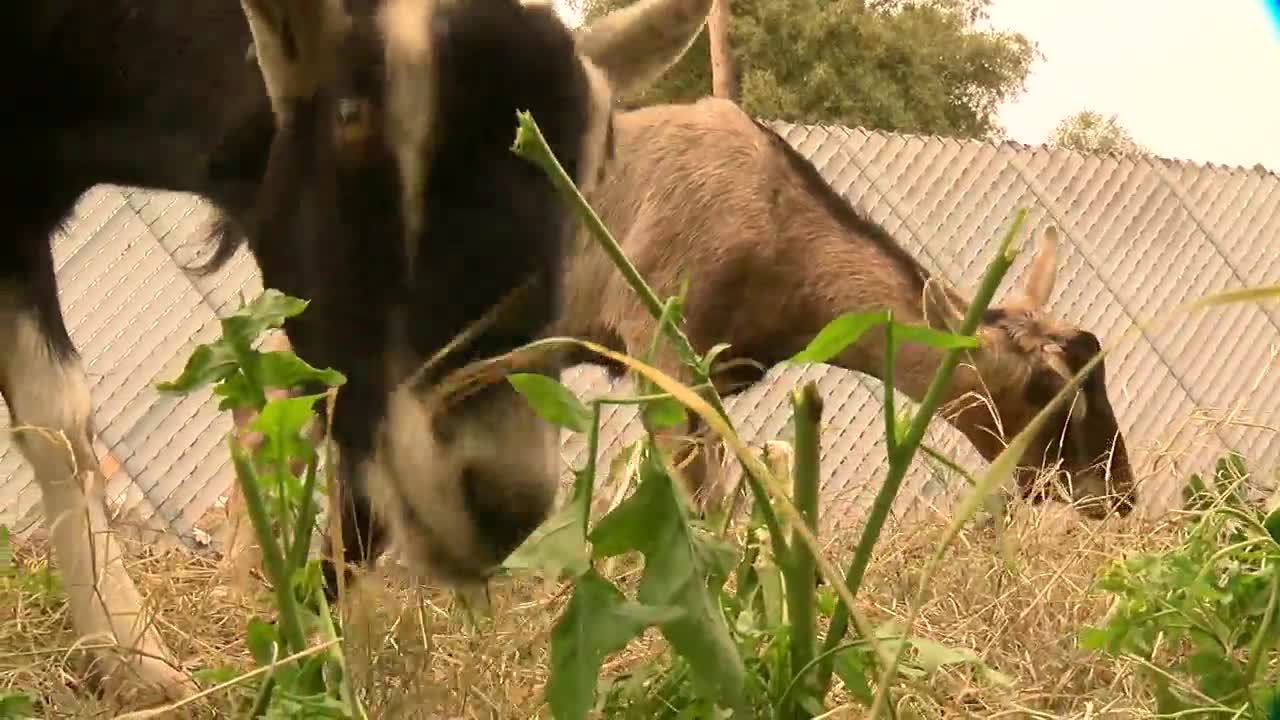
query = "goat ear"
x=1037 y=281
x=940 y=308
x=294 y=42
x=633 y=46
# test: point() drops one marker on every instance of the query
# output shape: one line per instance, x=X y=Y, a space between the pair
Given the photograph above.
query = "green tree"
x=1088 y=131
x=907 y=65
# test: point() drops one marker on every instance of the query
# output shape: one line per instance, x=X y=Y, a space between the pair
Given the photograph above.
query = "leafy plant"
x=751 y=651
x=281 y=505
x=16 y=706
x=755 y=651
x=1201 y=618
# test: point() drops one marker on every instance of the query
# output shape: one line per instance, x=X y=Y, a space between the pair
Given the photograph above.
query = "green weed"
x=1200 y=619
x=300 y=682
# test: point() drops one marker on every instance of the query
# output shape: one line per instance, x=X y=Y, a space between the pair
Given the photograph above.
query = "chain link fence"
x=1140 y=236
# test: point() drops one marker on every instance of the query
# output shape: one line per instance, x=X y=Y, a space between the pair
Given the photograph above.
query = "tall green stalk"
x=273 y=561
x=799 y=568
x=904 y=451
x=532 y=146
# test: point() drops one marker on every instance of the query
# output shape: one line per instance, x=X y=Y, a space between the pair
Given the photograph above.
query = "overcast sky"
x=1190 y=79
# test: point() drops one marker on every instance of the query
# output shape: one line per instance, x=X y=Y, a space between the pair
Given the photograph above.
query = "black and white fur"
x=371 y=174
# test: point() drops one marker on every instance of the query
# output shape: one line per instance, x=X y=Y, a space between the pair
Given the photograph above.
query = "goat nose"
x=349 y=110
x=1125 y=504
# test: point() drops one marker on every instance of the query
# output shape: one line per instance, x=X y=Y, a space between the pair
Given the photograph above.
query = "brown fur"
x=772 y=254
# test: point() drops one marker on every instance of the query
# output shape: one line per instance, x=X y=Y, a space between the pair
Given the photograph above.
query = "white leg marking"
x=50 y=406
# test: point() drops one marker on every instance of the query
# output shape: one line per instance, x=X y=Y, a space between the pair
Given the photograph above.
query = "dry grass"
x=1020 y=615
x=415 y=653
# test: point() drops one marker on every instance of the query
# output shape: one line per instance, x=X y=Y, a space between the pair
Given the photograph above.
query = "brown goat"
x=772 y=254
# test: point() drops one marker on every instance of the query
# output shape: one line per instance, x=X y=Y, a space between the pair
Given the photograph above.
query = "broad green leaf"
x=648 y=615
x=557 y=545
x=208 y=363
x=310 y=680
x=848 y=327
x=16 y=706
x=931 y=655
x=269 y=310
x=553 y=402
x=1092 y=638
x=826 y=599
x=285 y=416
x=933 y=338
x=261 y=639
x=1272 y=524
x=1271 y=703
x=851 y=667
x=630 y=525
x=678 y=562
x=664 y=413
x=1193 y=492
x=218 y=360
x=283 y=369
x=216 y=675
x=839 y=334
x=281 y=422
x=1216 y=675
x=236 y=392
x=713 y=554
x=598 y=621
x=272 y=307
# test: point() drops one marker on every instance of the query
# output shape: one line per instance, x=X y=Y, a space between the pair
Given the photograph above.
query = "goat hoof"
x=142 y=683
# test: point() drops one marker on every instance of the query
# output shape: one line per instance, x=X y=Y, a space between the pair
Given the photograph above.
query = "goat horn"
x=294 y=42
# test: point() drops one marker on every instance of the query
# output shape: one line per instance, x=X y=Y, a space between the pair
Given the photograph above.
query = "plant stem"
x=282 y=476
x=297 y=553
x=890 y=412
x=272 y=559
x=263 y=698
x=532 y=146
x=347 y=689
x=806 y=405
x=1257 y=649
x=900 y=460
x=588 y=477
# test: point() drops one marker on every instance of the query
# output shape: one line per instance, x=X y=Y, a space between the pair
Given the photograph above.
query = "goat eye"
x=353 y=126
x=351 y=111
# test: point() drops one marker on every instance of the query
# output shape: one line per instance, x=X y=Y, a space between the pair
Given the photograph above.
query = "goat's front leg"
x=45 y=387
